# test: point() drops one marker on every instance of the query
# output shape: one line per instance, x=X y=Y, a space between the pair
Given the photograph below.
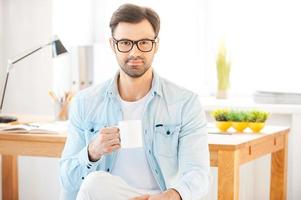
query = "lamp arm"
x=4 y=89
x=11 y=63
x=28 y=53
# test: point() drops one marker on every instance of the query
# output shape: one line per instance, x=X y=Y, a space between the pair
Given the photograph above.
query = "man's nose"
x=135 y=51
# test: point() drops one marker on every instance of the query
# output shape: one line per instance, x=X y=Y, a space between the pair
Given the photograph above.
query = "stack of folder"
x=268 y=97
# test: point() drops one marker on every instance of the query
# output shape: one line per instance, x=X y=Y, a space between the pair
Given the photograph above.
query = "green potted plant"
x=221 y=117
x=239 y=120
x=223 y=73
x=257 y=119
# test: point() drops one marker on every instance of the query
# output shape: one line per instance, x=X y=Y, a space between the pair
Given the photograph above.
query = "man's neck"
x=133 y=89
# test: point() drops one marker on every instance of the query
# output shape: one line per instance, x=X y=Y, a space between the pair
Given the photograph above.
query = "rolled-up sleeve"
x=74 y=163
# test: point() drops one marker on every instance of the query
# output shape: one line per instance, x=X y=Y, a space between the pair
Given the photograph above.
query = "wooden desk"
x=13 y=145
x=227 y=152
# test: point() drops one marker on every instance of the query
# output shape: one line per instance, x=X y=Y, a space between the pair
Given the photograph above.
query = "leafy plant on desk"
x=239 y=120
x=220 y=114
x=238 y=116
x=221 y=117
x=258 y=116
x=257 y=120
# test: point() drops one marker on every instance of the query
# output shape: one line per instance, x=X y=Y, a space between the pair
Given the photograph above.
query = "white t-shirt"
x=131 y=164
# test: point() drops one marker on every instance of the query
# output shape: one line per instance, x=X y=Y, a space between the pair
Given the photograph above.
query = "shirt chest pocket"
x=166 y=139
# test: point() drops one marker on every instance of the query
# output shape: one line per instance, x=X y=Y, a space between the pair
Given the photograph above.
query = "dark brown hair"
x=134 y=14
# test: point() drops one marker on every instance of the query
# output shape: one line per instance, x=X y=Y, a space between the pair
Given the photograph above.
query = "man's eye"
x=144 y=42
x=125 y=43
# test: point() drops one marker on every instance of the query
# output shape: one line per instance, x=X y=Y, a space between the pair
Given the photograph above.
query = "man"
x=173 y=163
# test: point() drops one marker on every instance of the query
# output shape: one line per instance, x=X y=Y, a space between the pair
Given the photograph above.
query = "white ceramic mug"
x=130 y=133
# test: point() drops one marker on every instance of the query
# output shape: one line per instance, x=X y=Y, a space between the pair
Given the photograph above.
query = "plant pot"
x=256 y=126
x=240 y=126
x=223 y=125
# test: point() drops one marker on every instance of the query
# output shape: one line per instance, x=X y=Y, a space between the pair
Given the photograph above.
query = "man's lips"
x=135 y=62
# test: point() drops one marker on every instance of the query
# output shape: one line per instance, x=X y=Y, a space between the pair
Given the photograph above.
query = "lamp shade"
x=58 y=48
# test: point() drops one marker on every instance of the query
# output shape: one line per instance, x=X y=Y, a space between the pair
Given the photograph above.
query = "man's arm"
x=193 y=153
x=172 y=194
x=75 y=164
x=79 y=158
x=193 y=156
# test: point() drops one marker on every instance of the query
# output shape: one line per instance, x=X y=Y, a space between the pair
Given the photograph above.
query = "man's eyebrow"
x=135 y=40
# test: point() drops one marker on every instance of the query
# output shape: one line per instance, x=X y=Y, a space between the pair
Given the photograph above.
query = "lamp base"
x=7 y=119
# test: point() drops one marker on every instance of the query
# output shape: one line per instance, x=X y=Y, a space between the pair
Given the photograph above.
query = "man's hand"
x=107 y=141
x=170 y=194
x=143 y=197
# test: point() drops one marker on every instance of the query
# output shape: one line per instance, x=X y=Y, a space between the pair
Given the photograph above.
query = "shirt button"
x=83 y=178
x=88 y=167
x=149 y=151
x=108 y=169
x=168 y=132
x=92 y=130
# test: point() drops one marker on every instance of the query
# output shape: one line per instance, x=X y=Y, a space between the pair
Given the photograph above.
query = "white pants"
x=104 y=186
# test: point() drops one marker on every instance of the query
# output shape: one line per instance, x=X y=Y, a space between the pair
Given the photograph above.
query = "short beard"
x=134 y=74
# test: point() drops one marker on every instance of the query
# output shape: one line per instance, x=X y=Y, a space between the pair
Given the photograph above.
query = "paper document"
x=37 y=127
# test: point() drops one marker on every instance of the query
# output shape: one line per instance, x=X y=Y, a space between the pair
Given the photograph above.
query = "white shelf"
x=211 y=103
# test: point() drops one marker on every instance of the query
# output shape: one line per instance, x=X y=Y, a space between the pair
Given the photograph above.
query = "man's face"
x=135 y=62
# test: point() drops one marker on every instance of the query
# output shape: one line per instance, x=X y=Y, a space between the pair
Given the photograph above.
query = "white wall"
x=1 y=61
x=28 y=24
x=1 y=45
x=263 y=41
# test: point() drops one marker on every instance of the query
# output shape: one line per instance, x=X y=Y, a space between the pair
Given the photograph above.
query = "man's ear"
x=112 y=44
x=157 y=44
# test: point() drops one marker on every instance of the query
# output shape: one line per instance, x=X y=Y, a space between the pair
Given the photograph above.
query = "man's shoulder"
x=94 y=92
x=174 y=92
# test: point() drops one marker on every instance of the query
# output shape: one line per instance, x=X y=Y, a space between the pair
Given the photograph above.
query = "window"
x=262 y=38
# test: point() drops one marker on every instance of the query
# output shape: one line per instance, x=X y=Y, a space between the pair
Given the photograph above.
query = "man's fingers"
x=115 y=147
x=110 y=130
x=111 y=136
x=113 y=142
x=112 y=148
x=143 y=197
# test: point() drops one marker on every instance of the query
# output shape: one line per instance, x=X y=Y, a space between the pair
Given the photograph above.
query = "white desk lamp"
x=57 y=49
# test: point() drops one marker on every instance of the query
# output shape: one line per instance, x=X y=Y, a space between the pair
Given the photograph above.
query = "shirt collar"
x=156 y=84
x=156 y=89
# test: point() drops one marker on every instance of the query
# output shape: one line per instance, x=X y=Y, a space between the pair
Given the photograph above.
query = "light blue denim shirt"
x=174 y=136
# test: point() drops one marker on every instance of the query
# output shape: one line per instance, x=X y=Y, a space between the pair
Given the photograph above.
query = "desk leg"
x=278 y=186
x=228 y=175
x=9 y=177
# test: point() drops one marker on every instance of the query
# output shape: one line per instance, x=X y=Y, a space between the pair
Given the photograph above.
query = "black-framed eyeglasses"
x=125 y=45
